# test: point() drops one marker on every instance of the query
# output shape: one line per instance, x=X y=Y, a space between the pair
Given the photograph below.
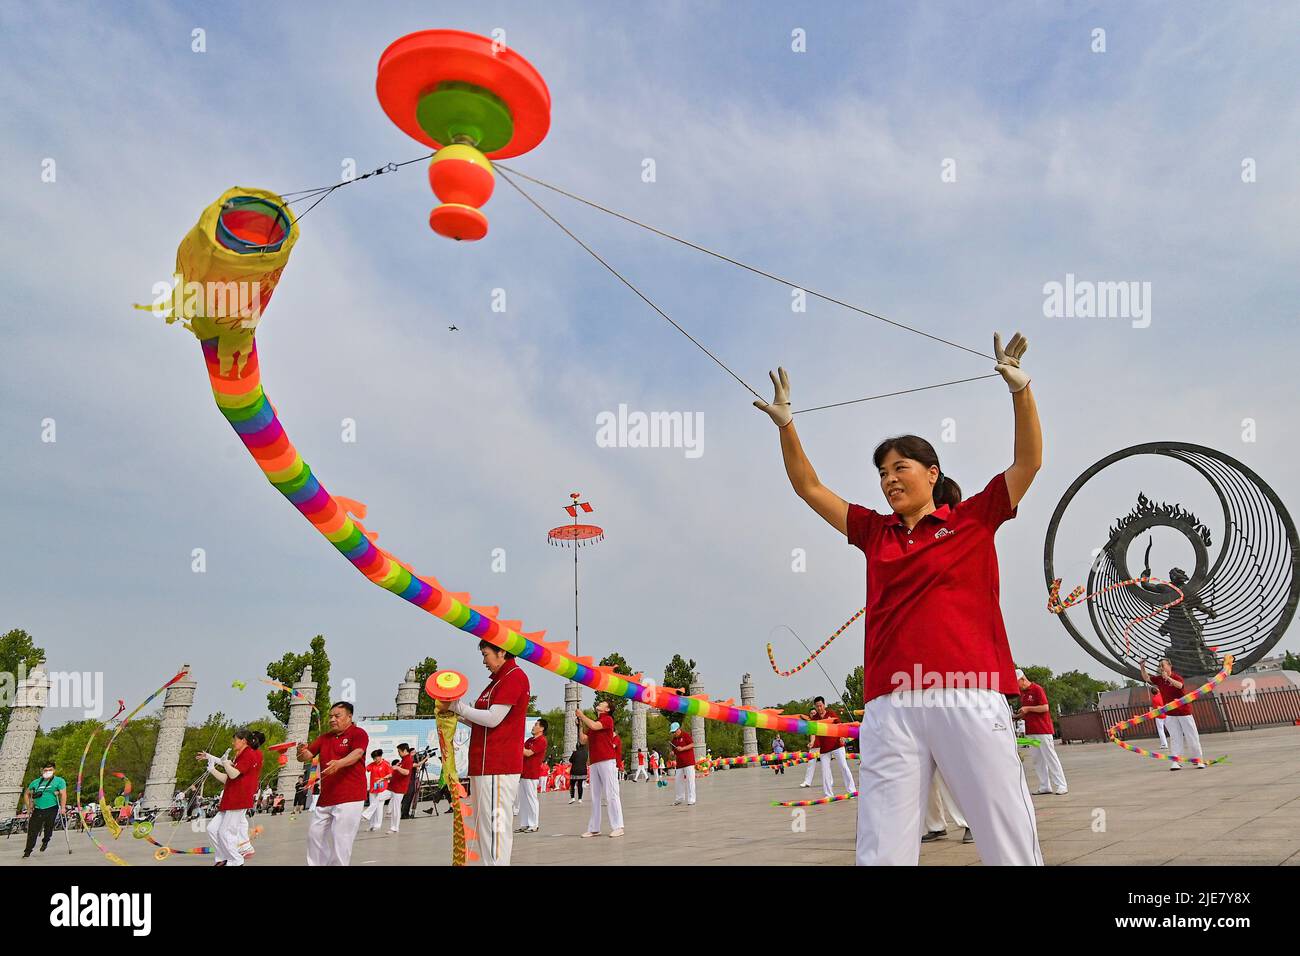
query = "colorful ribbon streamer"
x=787 y=757
x=234 y=372
x=812 y=657
x=819 y=802
x=1056 y=606
x=1154 y=712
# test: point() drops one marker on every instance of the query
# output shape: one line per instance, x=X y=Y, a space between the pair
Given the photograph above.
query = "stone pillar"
x=300 y=731
x=572 y=696
x=697 y=722
x=408 y=696
x=31 y=693
x=639 y=711
x=160 y=786
x=748 y=698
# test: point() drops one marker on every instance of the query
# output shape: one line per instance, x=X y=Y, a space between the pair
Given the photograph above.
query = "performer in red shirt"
x=1184 y=740
x=683 y=745
x=830 y=748
x=1037 y=715
x=228 y=830
x=496 y=751
x=336 y=816
x=937 y=666
x=398 y=785
x=602 y=767
x=654 y=764
x=534 y=774
x=378 y=772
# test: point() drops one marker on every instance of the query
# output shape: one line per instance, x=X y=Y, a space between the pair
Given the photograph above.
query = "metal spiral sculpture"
x=1239 y=598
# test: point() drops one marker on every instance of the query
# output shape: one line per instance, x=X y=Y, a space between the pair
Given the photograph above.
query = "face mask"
x=48 y=775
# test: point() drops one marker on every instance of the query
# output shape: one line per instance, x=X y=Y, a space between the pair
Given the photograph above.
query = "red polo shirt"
x=685 y=758
x=1036 y=723
x=379 y=772
x=1170 y=693
x=401 y=782
x=349 y=784
x=535 y=766
x=600 y=743
x=239 y=794
x=500 y=749
x=1157 y=701
x=827 y=744
x=933 y=618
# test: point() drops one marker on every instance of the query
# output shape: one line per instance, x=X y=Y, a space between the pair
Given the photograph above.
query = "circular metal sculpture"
x=1240 y=595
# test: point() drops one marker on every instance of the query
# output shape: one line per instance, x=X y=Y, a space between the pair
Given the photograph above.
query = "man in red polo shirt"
x=602 y=767
x=534 y=773
x=1037 y=715
x=683 y=745
x=399 y=783
x=496 y=751
x=830 y=749
x=1184 y=740
x=337 y=814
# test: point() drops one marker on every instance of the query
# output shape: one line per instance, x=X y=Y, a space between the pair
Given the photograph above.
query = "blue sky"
x=821 y=166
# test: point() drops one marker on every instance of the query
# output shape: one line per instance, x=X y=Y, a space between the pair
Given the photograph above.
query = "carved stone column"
x=160 y=786
x=572 y=695
x=697 y=722
x=31 y=693
x=748 y=698
x=300 y=730
x=408 y=696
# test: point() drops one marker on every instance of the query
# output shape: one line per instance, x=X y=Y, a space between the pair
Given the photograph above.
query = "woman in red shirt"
x=938 y=665
x=228 y=830
x=602 y=767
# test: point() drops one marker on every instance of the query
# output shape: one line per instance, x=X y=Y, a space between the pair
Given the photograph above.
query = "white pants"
x=1160 y=729
x=395 y=801
x=331 y=833
x=526 y=805
x=808 y=774
x=837 y=756
x=968 y=735
x=686 y=784
x=1184 y=740
x=494 y=817
x=604 y=787
x=1051 y=776
x=374 y=814
x=226 y=831
x=941 y=800
x=640 y=772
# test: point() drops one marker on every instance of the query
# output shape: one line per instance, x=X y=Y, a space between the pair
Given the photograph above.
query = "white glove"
x=1009 y=360
x=779 y=406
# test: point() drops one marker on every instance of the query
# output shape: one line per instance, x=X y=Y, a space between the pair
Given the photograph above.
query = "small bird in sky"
x=452 y=328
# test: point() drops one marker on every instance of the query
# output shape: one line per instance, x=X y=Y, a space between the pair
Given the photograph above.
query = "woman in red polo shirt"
x=228 y=830
x=938 y=666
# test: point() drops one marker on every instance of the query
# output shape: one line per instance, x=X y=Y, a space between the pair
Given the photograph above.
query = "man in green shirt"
x=46 y=798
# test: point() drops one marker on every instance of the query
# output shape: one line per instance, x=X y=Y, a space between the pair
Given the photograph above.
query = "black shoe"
x=27 y=854
x=934 y=835
x=968 y=837
x=43 y=847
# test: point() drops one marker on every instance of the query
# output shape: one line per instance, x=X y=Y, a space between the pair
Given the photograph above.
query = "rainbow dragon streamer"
x=221 y=250
x=1154 y=712
x=813 y=656
x=819 y=802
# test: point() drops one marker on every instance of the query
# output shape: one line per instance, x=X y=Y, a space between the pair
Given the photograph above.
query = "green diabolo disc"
x=459 y=111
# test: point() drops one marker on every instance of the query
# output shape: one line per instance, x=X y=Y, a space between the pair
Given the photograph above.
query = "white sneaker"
x=690 y=803
x=588 y=835
x=531 y=830
x=1039 y=793
x=677 y=803
x=1202 y=766
x=1061 y=793
x=1175 y=766
x=805 y=785
x=573 y=799
x=616 y=833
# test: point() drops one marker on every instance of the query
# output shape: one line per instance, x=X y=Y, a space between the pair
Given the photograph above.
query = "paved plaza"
x=1121 y=809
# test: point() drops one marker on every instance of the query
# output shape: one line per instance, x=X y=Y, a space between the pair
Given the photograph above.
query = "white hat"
x=1020 y=675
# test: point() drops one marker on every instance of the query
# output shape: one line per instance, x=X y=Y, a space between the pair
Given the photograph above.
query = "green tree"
x=425 y=707
x=853 y=693
x=617 y=704
x=792 y=741
x=1290 y=662
x=679 y=674
x=17 y=655
x=288 y=669
x=1070 y=692
x=555 y=736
